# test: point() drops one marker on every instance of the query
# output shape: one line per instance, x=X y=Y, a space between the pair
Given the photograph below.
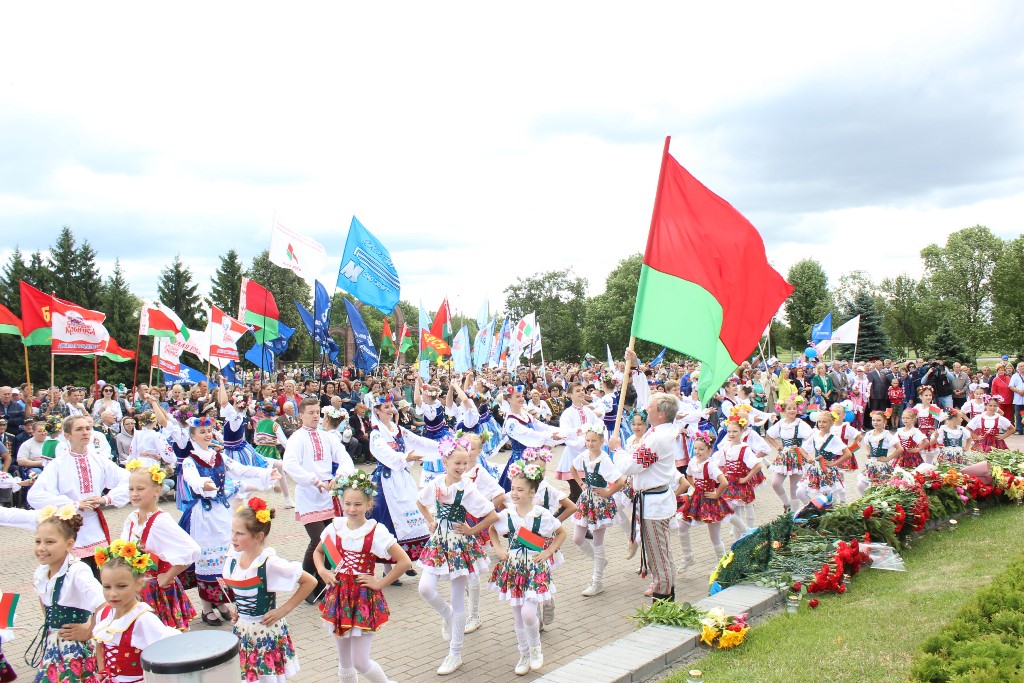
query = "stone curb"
x=652 y=649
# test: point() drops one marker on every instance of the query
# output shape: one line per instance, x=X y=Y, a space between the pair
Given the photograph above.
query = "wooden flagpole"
x=138 y=351
x=28 y=377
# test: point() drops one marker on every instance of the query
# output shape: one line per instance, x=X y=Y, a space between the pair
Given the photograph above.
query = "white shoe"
x=446 y=629
x=289 y=503
x=523 y=667
x=536 y=658
x=592 y=589
x=684 y=564
x=631 y=550
x=450 y=664
x=472 y=623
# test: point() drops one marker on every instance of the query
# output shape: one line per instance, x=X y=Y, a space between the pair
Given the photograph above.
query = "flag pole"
x=138 y=345
x=625 y=378
x=28 y=377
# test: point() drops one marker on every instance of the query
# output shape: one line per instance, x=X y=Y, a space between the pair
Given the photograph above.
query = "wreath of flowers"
x=183 y=413
x=259 y=506
x=593 y=429
x=156 y=472
x=196 y=422
x=51 y=511
x=358 y=480
x=705 y=436
x=332 y=412
x=54 y=424
x=641 y=413
x=448 y=445
x=514 y=389
x=386 y=398
x=534 y=471
x=138 y=561
x=542 y=454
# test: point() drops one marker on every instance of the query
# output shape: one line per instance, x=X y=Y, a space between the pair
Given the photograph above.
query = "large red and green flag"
x=258 y=308
x=438 y=346
x=387 y=337
x=115 y=353
x=157 y=320
x=9 y=323
x=8 y=606
x=706 y=287
x=442 y=325
x=332 y=555
x=404 y=339
x=35 y=315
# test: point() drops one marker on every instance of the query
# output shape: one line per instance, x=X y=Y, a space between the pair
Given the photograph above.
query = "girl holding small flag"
x=786 y=436
x=880 y=444
x=353 y=607
x=912 y=441
x=824 y=452
x=705 y=504
x=523 y=573
x=600 y=480
x=929 y=417
x=991 y=429
x=255 y=574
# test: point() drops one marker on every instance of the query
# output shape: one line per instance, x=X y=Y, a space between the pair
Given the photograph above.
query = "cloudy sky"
x=481 y=142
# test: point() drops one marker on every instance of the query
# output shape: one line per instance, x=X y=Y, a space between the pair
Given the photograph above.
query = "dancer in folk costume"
x=787 y=436
x=524 y=431
x=975 y=403
x=740 y=465
x=150 y=447
x=749 y=418
x=255 y=574
x=309 y=459
x=624 y=496
x=929 y=417
x=454 y=550
x=212 y=487
x=395 y=449
x=268 y=437
x=880 y=444
x=991 y=429
x=69 y=593
x=475 y=418
x=848 y=435
x=523 y=573
x=175 y=428
x=125 y=626
x=171 y=549
x=434 y=426
x=575 y=418
x=353 y=608
x=610 y=402
x=953 y=440
x=824 y=452
x=912 y=441
x=705 y=503
x=78 y=477
x=599 y=479
x=488 y=486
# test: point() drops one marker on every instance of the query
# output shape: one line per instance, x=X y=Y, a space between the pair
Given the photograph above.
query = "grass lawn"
x=872 y=632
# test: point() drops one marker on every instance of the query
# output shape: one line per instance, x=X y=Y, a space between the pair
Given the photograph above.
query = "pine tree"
x=873 y=341
x=227 y=283
x=39 y=274
x=87 y=275
x=14 y=272
x=946 y=345
x=177 y=291
x=122 y=308
x=63 y=263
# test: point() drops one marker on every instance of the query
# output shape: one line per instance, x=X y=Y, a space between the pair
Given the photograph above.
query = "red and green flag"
x=157 y=320
x=387 y=337
x=706 y=287
x=8 y=606
x=438 y=346
x=115 y=353
x=258 y=308
x=404 y=339
x=35 y=315
x=442 y=325
x=529 y=539
x=243 y=584
x=331 y=552
x=935 y=411
x=9 y=323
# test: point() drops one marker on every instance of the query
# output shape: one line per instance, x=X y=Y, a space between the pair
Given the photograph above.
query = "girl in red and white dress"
x=170 y=547
x=953 y=439
x=912 y=441
x=599 y=479
x=880 y=444
x=975 y=405
x=991 y=429
x=740 y=464
x=929 y=417
x=787 y=435
x=705 y=503
x=824 y=452
x=848 y=435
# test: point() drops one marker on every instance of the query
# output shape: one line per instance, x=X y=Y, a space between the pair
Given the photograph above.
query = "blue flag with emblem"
x=366 y=271
x=659 y=358
x=185 y=374
x=229 y=373
x=822 y=330
x=366 y=358
x=318 y=323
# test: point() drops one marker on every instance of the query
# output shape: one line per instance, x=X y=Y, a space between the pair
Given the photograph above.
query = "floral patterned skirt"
x=450 y=554
x=171 y=604
x=742 y=493
x=850 y=465
x=67 y=661
x=697 y=508
x=990 y=441
x=824 y=481
x=952 y=455
x=788 y=462
x=349 y=608
x=594 y=511
x=266 y=653
x=519 y=579
x=909 y=461
x=875 y=472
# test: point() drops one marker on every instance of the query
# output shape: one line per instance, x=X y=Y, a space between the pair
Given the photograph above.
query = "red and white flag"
x=223 y=331
x=166 y=356
x=76 y=331
x=157 y=320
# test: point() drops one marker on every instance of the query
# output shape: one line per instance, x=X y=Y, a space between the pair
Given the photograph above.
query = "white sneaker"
x=523 y=667
x=631 y=550
x=289 y=503
x=684 y=564
x=446 y=629
x=472 y=623
x=450 y=664
x=592 y=589
x=536 y=658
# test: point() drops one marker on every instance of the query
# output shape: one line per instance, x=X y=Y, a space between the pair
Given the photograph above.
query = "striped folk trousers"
x=659 y=554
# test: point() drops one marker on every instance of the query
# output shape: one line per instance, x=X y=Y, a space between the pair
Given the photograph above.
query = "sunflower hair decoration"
x=130 y=553
x=51 y=511
x=741 y=421
x=534 y=471
x=259 y=508
x=156 y=473
x=358 y=480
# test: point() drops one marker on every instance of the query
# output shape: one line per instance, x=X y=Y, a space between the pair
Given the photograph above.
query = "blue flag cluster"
x=317 y=322
x=366 y=358
x=264 y=356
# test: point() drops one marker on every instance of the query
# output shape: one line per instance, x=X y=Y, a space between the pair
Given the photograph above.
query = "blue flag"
x=264 y=356
x=822 y=330
x=367 y=272
x=185 y=374
x=366 y=354
x=499 y=344
x=657 y=359
x=228 y=371
x=462 y=361
x=482 y=346
x=482 y=315
x=318 y=324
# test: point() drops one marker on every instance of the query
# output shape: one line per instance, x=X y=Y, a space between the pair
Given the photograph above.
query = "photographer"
x=939 y=379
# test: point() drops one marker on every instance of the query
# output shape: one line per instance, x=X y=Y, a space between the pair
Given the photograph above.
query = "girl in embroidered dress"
x=705 y=503
x=880 y=444
x=523 y=573
x=454 y=550
x=149 y=447
x=824 y=451
x=624 y=497
x=740 y=465
x=848 y=434
x=171 y=549
x=599 y=479
x=353 y=608
x=255 y=574
x=523 y=431
x=235 y=414
x=929 y=417
x=485 y=482
x=125 y=626
x=211 y=485
x=953 y=439
x=434 y=426
x=786 y=436
x=991 y=429
x=975 y=405
x=268 y=437
x=70 y=593
x=912 y=441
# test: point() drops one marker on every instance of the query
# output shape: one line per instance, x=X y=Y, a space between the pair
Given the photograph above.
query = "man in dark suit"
x=879 y=399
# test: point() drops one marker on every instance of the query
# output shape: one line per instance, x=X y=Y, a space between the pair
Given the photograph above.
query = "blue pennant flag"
x=185 y=374
x=500 y=344
x=822 y=330
x=367 y=272
x=461 y=359
x=318 y=324
x=264 y=356
x=482 y=345
x=657 y=359
x=366 y=353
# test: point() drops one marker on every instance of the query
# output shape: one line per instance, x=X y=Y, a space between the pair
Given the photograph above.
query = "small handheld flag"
x=8 y=606
x=529 y=539
x=242 y=584
x=331 y=552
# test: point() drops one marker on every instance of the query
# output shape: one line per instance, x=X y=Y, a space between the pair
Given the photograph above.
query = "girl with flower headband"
x=171 y=549
x=596 y=509
x=912 y=441
x=824 y=452
x=975 y=405
x=456 y=512
x=476 y=418
x=787 y=436
x=69 y=593
x=150 y=447
x=991 y=429
x=848 y=434
x=524 y=431
x=704 y=504
x=125 y=626
x=740 y=464
x=929 y=417
x=880 y=443
x=575 y=418
x=523 y=573
x=211 y=486
x=354 y=608
x=255 y=574
x=425 y=399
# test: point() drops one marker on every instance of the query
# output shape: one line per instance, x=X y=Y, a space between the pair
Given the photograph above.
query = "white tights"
x=778 y=485
x=527 y=625
x=454 y=614
x=579 y=537
x=741 y=512
x=354 y=656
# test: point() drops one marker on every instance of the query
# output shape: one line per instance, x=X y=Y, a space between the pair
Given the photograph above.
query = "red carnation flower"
x=797 y=586
x=869 y=511
x=813 y=604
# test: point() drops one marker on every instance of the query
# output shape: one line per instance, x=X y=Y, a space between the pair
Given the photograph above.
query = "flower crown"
x=201 y=422
x=183 y=413
x=236 y=396
x=534 y=471
x=593 y=429
x=138 y=561
x=386 y=398
x=145 y=418
x=50 y=511
x=259 y=506
x=741 y=421
x=332 y=412
x=641 y=413
x=54 y=424
x=156 y=472
x=514 y=389
x=358 y=480
x=448 y=445
x=705 y=436
x=543 y=454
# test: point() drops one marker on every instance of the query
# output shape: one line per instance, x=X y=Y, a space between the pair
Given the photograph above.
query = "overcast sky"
x=482 y=142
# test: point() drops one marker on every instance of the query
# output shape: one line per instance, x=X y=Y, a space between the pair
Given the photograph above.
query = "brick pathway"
x=409 y=647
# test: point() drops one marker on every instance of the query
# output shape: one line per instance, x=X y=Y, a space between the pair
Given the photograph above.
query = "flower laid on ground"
x=813 y=603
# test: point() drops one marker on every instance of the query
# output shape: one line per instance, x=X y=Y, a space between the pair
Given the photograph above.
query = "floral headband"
x=50 y=511
x=259 y=506
x=156 y=473
x=448 y=445
x=183 y=413
x=534 y=471
x=386 y=398
x=593 y=429
x=741 y=421
x=332 y=412
x=138 y=561
x=641 y=413
x=145 y=419
x=201 y=422
x=514 y=389
x=358 y=480
x=543 y=454
x=705 y=437
x=54 y=424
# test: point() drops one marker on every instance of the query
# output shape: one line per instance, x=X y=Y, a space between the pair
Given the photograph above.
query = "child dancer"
x=523 y=573
x=705 y=504
x=740 y=465
x=236 y=447
x=149 y=447
x=824 y=452
x=624 y=497
x=786 y=436
x=488 y=486
x=953 y=439
x=929 y=417
x=879 y=443
x=434 y=425
x=171 y=549
x=975 y=405
x=912 y=441
x=575 y=418
x=453 y=551
x=125 y=626
x=353 y=608
x=70 y=594
x=848 y=435
x=255 y=574
x=991 y=429
x=596 y=508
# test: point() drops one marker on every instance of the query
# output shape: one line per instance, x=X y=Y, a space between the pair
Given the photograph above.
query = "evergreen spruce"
x=87 y=278
x=227 y=283
x=946 y=345
x=39 y=274
x=873 y=341
x=64 y=264
x=180 y=294
x=13 y=273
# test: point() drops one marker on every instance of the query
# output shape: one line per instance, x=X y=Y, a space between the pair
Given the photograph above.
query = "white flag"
x=300 y=254
x=848 y=332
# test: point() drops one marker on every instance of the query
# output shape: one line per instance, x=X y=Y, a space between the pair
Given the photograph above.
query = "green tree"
x=39 y=274
x=559 y=299
x=849 y=285
x=872 y=341
x=10 y=290
x=959 y=275
x=64 y=264
x=809 y=302
x=226 y=284
x=947 y=346
x=122 y=309
x=609 y=315
x=87 y=274
x=908 y=312
x=1008 y=309
x=177 y=291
